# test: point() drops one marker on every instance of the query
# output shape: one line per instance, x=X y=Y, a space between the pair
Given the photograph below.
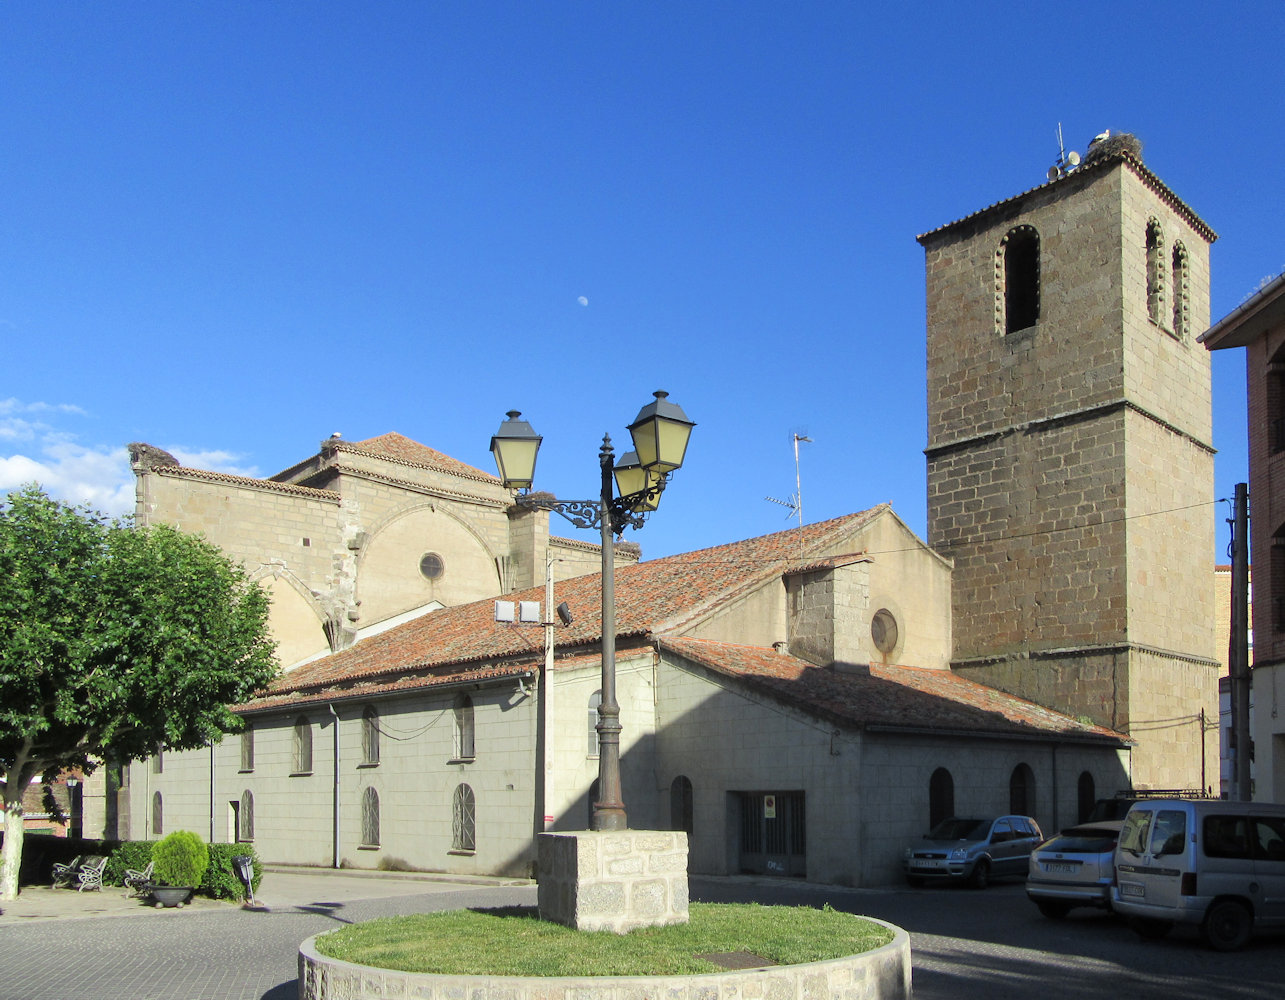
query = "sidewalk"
x=283 y=887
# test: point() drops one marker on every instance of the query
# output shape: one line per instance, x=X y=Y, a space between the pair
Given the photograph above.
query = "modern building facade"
x=1258 y=325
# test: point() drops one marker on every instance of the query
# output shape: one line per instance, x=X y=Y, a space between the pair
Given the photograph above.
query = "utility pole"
x=1238 y=651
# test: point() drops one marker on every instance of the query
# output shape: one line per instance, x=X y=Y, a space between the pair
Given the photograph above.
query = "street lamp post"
x=660 y=433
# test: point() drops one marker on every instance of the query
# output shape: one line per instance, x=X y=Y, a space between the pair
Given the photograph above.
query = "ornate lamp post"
x=660 y=433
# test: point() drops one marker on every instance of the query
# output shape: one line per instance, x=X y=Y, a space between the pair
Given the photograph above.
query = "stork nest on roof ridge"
x=1122 y=143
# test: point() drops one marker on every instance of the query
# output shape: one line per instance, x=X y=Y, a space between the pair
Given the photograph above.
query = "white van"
x=1210 y=862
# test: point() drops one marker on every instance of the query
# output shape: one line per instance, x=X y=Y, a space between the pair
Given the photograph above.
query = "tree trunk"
x=14 y=831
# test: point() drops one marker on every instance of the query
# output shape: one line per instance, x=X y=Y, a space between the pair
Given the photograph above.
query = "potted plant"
x=180 y=860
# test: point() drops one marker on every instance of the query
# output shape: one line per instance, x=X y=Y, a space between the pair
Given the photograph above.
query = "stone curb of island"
x=881 y=974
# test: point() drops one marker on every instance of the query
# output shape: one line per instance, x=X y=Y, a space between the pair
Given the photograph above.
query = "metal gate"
x=773 y=833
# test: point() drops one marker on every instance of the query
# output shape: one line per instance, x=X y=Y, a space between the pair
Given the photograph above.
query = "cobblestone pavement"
x=967 y=945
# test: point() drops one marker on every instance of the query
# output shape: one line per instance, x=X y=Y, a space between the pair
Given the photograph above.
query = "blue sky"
x=231 y=229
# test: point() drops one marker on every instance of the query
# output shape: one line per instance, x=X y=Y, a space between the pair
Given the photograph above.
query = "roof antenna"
x=795 y=502
x=1066 y=162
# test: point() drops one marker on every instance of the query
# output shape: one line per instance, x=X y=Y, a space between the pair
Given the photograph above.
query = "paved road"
x=967 y=945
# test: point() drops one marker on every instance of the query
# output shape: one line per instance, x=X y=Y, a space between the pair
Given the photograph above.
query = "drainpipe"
x=334 y=794
x=211 y=791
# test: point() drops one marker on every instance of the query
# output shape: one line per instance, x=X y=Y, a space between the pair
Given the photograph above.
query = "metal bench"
x=137 y=882
x=90 y=875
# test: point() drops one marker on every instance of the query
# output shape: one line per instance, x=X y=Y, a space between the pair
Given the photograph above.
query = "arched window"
x=595 y=700
x=370 y=818
x=1021 y=791
x=680 y=804
x=1085 y=795
x=1180 y=282
x=463 y=820
x=158 y=815
x=247 y=747
x=245 y=819
x=1017 y=273
x=370 y=735
x=302 y=745
x=464 y=728
x=941 y=797
x=1155 y=272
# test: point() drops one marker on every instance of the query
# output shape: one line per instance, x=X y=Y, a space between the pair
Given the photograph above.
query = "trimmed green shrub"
x=221 y=880
x=130 y=855
x=181 y=859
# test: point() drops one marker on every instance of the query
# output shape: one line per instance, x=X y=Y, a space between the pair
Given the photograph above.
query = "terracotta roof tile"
x=402 y=449
x=651 y=596
x=894 y=697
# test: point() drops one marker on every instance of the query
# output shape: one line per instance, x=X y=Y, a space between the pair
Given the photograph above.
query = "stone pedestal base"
x=613 y=880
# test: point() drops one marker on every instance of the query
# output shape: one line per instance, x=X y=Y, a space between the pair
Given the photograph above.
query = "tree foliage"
x=114 y=640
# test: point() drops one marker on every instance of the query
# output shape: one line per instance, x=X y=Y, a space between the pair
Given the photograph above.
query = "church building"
x=805 y=703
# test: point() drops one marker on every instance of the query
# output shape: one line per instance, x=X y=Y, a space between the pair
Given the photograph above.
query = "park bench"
x=90 y=875
x=65 y=873
x=137 y=882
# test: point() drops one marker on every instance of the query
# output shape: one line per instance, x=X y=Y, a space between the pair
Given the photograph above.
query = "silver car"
x=1075 y=868
x=972 y=850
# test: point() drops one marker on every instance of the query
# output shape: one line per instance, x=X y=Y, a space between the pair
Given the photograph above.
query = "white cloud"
x=97 y=475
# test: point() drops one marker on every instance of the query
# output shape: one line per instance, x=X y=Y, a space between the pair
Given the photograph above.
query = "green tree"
x=114 y=640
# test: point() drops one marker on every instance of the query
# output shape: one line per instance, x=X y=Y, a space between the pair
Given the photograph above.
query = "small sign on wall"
x=769 y=807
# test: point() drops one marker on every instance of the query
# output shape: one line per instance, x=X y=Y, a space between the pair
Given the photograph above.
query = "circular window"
x=883 y=630
x=431 y=566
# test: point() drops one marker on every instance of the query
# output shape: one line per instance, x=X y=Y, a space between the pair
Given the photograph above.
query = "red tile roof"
x=653 y=596
x=400 y=448
x=887 y=697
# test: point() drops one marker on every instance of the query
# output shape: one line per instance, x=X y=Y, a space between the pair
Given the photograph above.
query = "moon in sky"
x=583 y=301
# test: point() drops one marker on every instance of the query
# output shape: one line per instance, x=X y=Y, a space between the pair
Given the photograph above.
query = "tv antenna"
x=795 y=502
x=1066 y=162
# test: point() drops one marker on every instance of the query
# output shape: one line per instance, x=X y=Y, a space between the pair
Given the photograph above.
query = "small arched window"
x=1085 y=796
x=1021 y=791
x=247 y=747
x=464 y=747
x=245 y=819
x=1180 y=283
x=463 y=820
x=941 y=797
x=302 y=745
x=158 y=815
x=1018 y=274
x=595 y=700
x=370 y=735
x=370 y=818
x=1155 y=272
x=680 y=804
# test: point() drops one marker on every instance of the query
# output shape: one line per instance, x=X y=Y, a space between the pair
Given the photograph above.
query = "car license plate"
x=925 y=863
x=1059 y=868
x=1133 y=889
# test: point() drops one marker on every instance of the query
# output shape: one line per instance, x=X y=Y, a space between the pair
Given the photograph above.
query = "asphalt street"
x=967 y=945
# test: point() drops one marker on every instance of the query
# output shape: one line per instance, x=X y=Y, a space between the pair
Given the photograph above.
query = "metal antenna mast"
x=795 y=503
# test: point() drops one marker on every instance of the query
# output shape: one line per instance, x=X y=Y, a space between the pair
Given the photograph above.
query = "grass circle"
x=514 y=941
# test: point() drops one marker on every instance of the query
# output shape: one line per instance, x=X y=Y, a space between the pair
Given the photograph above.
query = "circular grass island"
x=745 y=951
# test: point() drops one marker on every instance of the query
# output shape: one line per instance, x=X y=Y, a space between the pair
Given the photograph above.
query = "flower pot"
x=170 y=895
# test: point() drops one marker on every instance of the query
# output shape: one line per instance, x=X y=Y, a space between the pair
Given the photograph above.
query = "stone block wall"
x=619 y=880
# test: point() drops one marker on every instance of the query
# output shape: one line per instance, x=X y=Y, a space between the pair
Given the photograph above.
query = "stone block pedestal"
x=613 y=880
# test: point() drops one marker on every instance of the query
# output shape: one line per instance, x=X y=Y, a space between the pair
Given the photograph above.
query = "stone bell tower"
x=1070 y=470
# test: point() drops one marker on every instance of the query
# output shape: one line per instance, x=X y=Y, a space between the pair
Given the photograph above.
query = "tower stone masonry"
x=1070 y=465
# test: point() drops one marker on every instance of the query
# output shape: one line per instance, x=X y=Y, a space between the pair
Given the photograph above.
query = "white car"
x=1075 y=868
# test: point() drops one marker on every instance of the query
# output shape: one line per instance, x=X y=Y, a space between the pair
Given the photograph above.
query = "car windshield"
x=959 y=829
